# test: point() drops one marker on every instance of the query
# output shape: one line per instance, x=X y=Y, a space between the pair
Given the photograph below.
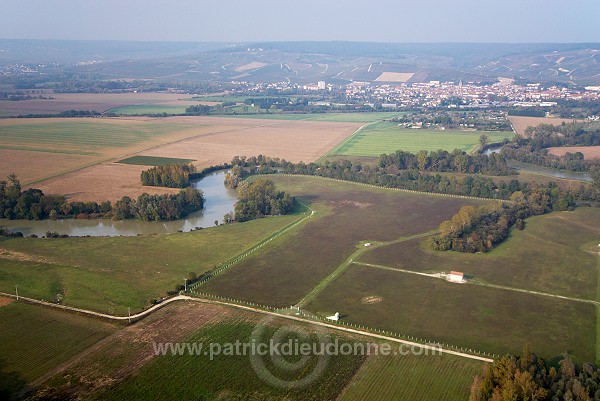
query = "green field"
x=347 y=213
x=413 y=377
x=552 y=255
x=144 y=109
x=114 y=273
x=34 y=340
x=81 y=136
x=154 y=160
x=331 y=117
x=232 y=377
x=462 y=315
x=387 y=137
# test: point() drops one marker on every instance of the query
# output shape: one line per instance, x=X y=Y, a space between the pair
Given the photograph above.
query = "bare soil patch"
x=395 y=77
x=372 y=299
x=23 y=257
x=250 y=66
x=126 y=351
x=520 y=124
x=5 y=301
x=107 y=181
x=32 y=166
x=589 y=152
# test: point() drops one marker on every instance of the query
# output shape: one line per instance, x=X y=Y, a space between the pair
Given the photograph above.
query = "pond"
x=219 y=200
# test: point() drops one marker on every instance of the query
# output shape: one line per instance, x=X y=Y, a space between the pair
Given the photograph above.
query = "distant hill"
x=309 y=62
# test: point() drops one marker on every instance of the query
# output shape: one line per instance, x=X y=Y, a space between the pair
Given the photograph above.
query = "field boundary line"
x=253 y=309
x=136 y=152
x=241 y=256
x=348 y=329
x=362 y=248
x=414 y=191
x=355 y=133
x=482 y=284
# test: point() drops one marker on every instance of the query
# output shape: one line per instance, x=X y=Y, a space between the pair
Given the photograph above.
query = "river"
x=570 y=175
x=219 y=200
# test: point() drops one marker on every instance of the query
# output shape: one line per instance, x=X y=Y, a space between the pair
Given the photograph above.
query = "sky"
x=505 y=21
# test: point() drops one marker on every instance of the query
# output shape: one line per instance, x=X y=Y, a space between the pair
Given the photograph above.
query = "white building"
x=456 y=277
x=335 y=317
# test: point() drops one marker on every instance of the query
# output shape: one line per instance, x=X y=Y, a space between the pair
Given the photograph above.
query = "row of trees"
x=33 y=204
x=479 y=229
x=168 y=175
x=443 y=161
x=261 y=198
x=530 y=378
x=391 y=176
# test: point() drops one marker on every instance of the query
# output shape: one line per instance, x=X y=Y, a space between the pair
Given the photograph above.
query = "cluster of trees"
x=33 y=204
x=261 y=198
x=235 y=176
x=159 y=207
x=479 y=229
x=443 y=161
x=530 y=378
x=198 y=110
x=527 y=112
x=267 y=102
x=168 y=175
x=532 y=148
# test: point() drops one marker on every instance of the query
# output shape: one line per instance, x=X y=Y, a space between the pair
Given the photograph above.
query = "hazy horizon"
x=428 y=21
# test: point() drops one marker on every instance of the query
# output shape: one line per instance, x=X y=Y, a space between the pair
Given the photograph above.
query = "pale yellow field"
x=250 y=66
x=520 y=124
x=38 y=149
x=589 y=152
x=209 y=141
x=395 y=77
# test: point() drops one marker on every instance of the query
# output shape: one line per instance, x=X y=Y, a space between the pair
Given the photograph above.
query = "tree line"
x=33 y=204
x=168 y=175
x=530 y=378
x=444 y=161
x=388 y=173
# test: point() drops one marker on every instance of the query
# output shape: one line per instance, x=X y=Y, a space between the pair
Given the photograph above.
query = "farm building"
x=456 y=277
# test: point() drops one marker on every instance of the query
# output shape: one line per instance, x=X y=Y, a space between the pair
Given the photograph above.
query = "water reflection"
x=219 y=200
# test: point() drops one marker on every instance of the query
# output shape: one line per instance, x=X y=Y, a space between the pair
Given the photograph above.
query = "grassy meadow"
x=469 y=316
x=347 y=213
x=413 y=377
x=110 y=274
x=81 y=136
x=552 y=255
x=232 y=377
x=144 y=109
x=328 y=117
x=34 y=340
x=387 y=137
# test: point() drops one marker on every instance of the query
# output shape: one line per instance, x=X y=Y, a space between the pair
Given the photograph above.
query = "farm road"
x=483 y=284
x=362 y=248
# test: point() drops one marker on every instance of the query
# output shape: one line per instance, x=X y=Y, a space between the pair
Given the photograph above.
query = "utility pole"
x=129 y=314
x=185 y=285
x=17 y=291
